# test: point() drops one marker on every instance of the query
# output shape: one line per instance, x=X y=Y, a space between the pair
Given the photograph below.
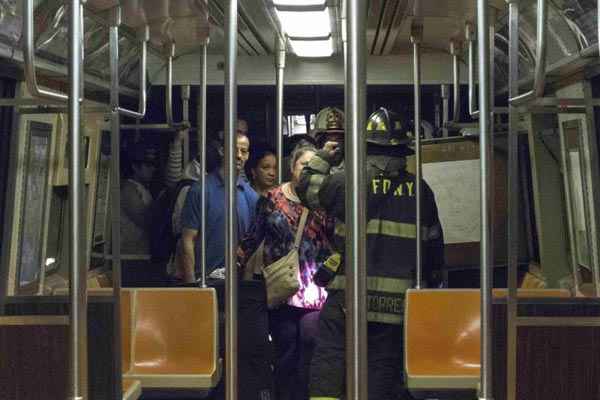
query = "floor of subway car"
x=210 y=396
x=178 y=395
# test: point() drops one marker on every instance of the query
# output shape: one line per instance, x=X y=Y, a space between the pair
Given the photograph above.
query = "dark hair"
x=298 y=153
x=257 y=153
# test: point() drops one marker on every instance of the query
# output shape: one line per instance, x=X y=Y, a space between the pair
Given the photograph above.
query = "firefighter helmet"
x=328 y=120
x=387 y=128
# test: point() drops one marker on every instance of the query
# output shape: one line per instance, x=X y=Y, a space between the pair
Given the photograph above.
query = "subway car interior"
x=498 y=101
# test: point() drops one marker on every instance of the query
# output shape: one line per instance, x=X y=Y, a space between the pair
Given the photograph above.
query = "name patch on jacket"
x=384 y=186
x=385 y=303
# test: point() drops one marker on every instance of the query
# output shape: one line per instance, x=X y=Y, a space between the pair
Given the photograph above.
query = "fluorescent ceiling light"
x=312 y=48
x=305 y=23
x=299 y=2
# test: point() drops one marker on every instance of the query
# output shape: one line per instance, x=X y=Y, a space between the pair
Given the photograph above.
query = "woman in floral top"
x=294 y=325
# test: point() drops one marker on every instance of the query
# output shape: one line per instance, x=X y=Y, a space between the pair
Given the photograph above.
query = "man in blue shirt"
x=254 y=368
x=215 y=216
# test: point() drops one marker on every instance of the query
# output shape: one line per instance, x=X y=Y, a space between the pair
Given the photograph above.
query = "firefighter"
x=391 y=256
x=329 y=127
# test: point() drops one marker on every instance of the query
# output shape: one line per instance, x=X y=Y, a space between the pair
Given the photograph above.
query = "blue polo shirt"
x=191 y=217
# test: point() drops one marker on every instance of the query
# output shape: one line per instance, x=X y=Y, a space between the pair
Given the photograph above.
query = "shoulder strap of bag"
x=301 y=226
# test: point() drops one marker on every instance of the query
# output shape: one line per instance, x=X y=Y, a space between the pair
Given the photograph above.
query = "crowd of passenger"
x=161 y=244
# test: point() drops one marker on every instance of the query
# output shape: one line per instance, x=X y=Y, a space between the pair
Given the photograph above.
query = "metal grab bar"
x=455 y=81
x=280 y=68
x=471 y=66
x=169 y=91
x=416 y=37
x=29 y=59
x=114 y=54
x=78 y=358
x=356 y=201
x=230 y=178
x=201 y=134
x=540 y=59
x=485 y=151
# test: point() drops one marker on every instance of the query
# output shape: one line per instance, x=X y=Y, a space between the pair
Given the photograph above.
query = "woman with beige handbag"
x=286 y=247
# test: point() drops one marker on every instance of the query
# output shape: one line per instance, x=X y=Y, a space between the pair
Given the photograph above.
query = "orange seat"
x=132 y=390
x=174 y=338
x=442 y=336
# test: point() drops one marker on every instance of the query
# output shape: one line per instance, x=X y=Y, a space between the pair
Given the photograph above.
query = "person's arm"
x=318 y=189
x=135 y=206
x=256 y=235
x=433 y=244
x=188 y=257
x=191 y=219
x=175 y=165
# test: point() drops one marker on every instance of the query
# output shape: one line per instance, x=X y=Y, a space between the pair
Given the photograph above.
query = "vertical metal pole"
x=437 y=110
x=115 y=188
x=513 y=196
x=344 y=26
x=416 y=41
x=471 y=66
x=279 y=70
x=356 y=293
x=185 y=100
x=445 y=93
x=170 y=52
x=486 y=258
x=455 y=81
x=78 y=270
x=202 y=159
x=592 y=177
x=231 y=288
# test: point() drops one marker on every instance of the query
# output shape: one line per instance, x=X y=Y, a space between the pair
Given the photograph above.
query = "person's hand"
x=179 y=135
x=332 y=149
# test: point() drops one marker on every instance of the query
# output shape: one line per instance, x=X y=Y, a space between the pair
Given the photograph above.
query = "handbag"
x=281 y=277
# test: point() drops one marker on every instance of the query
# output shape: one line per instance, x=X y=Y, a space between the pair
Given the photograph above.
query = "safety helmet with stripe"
x=387 y=128
x=328 y=120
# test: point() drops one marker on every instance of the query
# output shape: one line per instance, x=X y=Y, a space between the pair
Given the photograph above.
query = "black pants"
x=142 y=273
x=294 y=333
x=385 y=356
x=255 y=375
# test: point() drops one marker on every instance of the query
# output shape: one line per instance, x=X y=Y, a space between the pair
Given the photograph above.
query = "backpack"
x=162 y=238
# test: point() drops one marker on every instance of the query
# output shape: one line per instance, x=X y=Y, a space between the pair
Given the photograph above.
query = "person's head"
x=387 y=134
x=242 y=153
x=299 y=159
x=242 y=127
x=261 y=169
x=143 y=164
x=329 y=126
x=242 y=150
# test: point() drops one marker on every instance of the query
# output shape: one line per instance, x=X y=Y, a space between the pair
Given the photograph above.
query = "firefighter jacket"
x=391 y=231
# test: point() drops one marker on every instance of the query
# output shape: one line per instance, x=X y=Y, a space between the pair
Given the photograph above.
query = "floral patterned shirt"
x=278 y=216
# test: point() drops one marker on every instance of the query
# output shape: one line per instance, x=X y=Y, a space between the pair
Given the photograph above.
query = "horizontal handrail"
x=540 y=59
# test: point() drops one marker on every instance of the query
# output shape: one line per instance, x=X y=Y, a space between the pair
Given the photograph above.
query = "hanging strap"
x=301 y=226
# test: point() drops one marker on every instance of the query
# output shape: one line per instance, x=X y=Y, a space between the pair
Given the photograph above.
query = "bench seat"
x=442 y=336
